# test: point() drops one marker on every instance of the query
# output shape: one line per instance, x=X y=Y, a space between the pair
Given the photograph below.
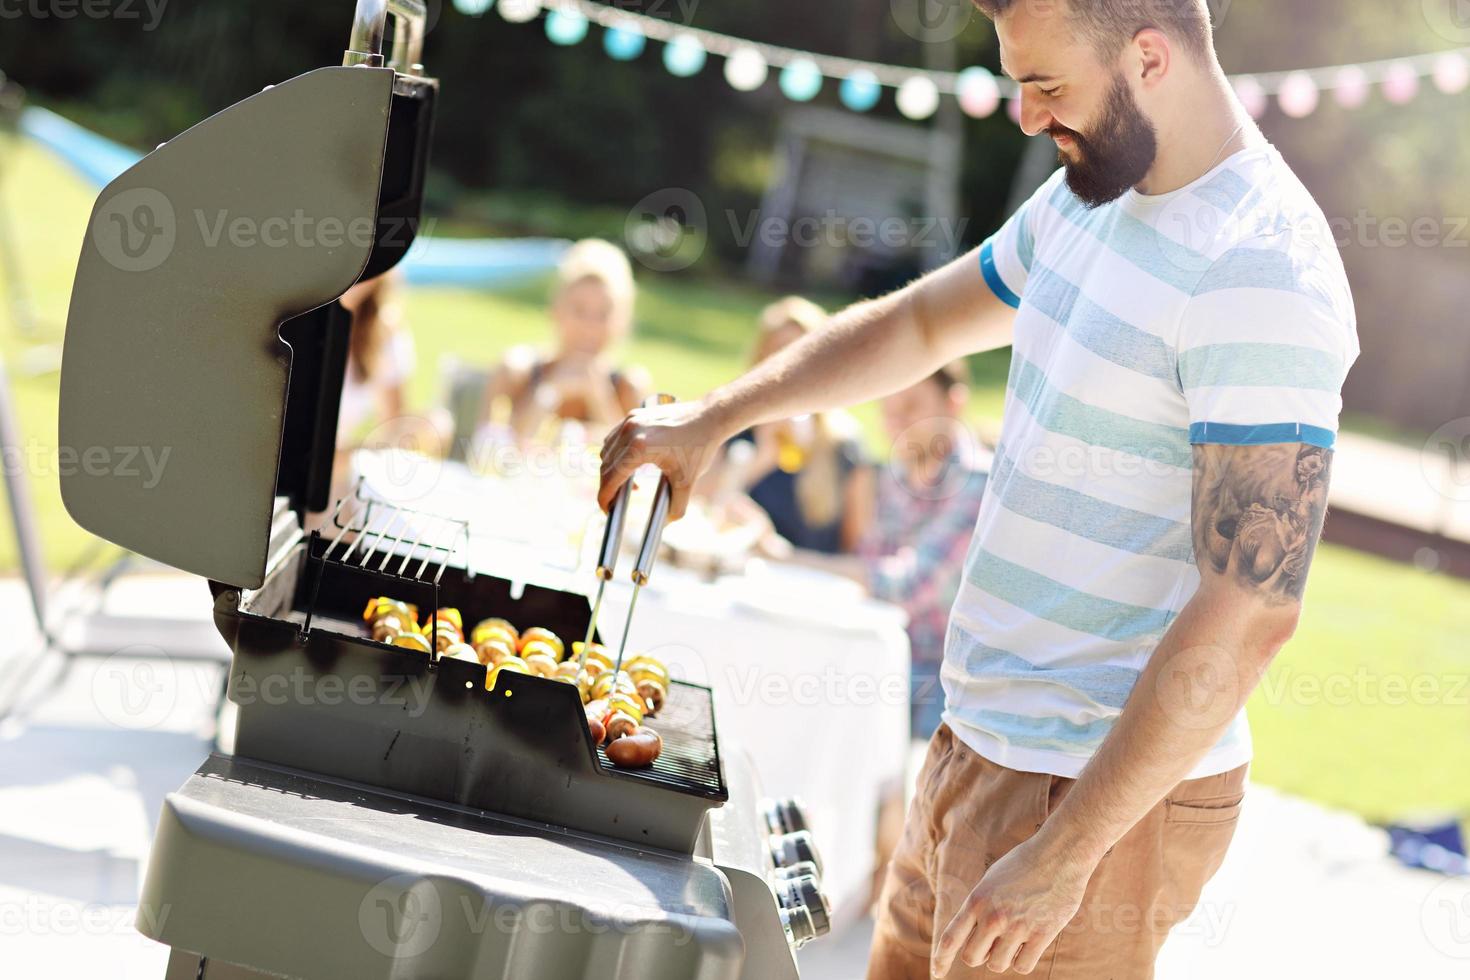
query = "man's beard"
x=1118 y=153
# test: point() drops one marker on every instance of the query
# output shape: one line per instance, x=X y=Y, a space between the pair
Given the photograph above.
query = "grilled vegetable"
x=541 y=647
x=540 y=634
x=485 y=628
x=512 y=665
x=637 y=750
x=628 y=705
x=388 y=626
x=444 y=632
x=596 y=653
x=415 y=641
x=620 y=724
x=460 y=651
x=492 y=651
x=383 y=605
x=541 y=663
x=653 y=694
x=604 y=684
x=595 y=713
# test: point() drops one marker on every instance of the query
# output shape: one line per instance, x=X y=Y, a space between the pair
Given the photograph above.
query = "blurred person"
x=1181 y=327
x=591 y=313
x=380 y=358
x=808 y=473
x=374 y=411
x=928 y=499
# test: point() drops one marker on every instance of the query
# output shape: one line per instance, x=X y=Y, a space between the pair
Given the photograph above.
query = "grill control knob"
x=793 y=848
x=797 y=870
x=797 y=923
x=804 y=893
x=785 y=816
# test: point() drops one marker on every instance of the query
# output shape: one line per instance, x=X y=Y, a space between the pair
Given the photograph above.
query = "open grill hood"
x=197 y=262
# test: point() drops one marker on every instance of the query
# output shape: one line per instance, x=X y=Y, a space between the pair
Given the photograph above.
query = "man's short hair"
x=1110 y=24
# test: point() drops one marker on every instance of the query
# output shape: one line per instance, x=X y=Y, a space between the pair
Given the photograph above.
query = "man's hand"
x=682 y=439
x=1016 y=912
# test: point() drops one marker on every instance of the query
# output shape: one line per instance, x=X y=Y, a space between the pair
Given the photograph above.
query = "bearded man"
x=1181 y=327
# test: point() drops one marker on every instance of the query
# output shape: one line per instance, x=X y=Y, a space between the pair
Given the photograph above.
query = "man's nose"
x=1034 y=119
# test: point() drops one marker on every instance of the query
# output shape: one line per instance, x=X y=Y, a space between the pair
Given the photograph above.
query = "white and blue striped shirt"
x=1217 y=313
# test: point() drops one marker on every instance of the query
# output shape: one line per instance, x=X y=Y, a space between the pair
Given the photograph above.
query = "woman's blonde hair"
x=819 y=481
x=595 y=258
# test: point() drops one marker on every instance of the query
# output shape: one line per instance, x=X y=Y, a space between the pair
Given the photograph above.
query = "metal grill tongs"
x=612 y=541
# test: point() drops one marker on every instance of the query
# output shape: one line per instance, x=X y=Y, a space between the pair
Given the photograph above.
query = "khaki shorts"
x=968 y=812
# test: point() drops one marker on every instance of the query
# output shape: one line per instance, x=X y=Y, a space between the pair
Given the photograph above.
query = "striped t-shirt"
x=1217 y=313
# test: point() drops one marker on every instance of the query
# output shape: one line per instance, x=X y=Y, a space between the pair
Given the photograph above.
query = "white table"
x=811 y=678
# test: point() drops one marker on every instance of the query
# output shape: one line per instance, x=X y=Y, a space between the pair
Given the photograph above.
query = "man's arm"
x=1257 y=516
x=869 y=350
x=873 y=348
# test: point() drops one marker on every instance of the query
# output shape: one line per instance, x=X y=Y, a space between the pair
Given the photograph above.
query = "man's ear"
x=1151 y=56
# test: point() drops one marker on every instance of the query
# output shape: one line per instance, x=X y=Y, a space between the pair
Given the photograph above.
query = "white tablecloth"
x=810 y=677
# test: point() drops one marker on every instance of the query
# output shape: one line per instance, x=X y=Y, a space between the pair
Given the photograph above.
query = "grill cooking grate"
x=690 y=760
x=376 y=538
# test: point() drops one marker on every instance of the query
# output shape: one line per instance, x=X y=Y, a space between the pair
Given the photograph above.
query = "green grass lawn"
x=1367 y=708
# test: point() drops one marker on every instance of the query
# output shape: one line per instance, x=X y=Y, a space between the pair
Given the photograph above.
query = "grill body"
x=328 y=699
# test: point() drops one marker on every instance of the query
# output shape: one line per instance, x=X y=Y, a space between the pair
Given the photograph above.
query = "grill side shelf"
x=344 y=706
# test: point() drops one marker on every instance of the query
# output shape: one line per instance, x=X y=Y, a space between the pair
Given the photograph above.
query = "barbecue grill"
x=382 y=814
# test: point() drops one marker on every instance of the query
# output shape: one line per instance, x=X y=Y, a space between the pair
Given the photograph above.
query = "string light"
x=1298 y=97
x=684 y=56
x=1400 y=83
x=1298 y=92
x=623 y=42
x=565 y=27
x=801 y=80
x=519 y=11
x=918 y=97
x=1252 y=95
x=977 y=92
x=745 y=69
x=860 y=90
x=1451 y=73
x=1352 y=87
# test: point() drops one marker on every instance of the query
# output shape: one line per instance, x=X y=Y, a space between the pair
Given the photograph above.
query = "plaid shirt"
x=915 y=550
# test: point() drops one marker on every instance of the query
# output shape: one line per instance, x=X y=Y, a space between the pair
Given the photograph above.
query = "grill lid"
x=194 y=259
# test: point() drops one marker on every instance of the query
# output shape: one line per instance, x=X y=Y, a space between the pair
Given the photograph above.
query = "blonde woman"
x=807 y=474
x=591 y=313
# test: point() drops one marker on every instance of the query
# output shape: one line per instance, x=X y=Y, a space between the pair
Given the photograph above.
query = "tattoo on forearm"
x=1258 y=513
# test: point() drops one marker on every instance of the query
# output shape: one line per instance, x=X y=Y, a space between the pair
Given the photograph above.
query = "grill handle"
x=370 y=23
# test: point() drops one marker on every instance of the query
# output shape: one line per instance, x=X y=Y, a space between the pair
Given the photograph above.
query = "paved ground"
x=1305 y=892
